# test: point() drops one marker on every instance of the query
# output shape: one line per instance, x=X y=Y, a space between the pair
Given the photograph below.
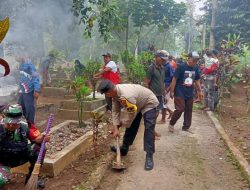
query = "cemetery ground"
x=182 y=160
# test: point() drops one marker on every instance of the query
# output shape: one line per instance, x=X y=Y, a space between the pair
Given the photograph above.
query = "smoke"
x=37 y=27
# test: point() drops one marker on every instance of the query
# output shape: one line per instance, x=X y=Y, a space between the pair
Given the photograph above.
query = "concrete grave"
x=53 y=166
x=53 y=92
x=69 y=108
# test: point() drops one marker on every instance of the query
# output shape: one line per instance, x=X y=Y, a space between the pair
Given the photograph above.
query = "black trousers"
x=27 y=101
x=149 y=123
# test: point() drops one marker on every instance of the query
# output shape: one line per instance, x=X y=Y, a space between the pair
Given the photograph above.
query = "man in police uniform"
x=14 y=147
x=138 y=102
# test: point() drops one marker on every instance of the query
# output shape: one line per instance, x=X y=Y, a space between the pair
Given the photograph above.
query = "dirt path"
x=183 y=161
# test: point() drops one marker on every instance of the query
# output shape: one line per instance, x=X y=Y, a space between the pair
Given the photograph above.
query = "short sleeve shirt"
x=156 y=76
x=112 y=65
x=185 y=78
x=169 y=73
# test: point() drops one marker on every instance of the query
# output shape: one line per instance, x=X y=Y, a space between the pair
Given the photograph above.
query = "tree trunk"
x=127 y=30
x=94 y=88
x=127 y=27
x=204 y=36
x=189 y=37
x=164 y=39
x=137 y=43
x=213 y=24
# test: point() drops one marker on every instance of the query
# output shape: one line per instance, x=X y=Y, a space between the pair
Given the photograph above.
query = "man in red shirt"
x=109 y=72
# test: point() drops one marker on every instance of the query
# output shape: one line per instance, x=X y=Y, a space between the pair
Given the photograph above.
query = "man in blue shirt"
x=185 y=80
x=169 y=73
x=29 y=87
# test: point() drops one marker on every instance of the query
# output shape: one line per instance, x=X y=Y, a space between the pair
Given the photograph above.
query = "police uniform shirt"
x=134 y=98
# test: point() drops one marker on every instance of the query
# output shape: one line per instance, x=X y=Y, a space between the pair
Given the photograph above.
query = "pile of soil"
x=62 y=137
x=76 y=173
x=236 y=121
x=79 y=170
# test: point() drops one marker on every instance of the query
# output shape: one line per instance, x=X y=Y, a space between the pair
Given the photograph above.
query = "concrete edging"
x=53 y=166
x=236 y=153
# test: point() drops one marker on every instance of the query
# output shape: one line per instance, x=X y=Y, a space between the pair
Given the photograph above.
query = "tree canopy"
x=233 y=17
x=109 y=14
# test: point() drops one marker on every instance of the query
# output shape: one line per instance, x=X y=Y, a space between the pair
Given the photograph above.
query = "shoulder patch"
x=131 y=108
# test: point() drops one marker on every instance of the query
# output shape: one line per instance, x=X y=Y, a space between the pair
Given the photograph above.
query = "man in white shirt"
x=109 y=72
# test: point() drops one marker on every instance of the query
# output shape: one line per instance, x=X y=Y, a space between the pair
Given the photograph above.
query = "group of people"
x=128 y=103
x=210 y=69
x=20 y=140
x=132 y=102
x=17 y=121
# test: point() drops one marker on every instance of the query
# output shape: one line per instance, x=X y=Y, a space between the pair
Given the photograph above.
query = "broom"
x=32 y=183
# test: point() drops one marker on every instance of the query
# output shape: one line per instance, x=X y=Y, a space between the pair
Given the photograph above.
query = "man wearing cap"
x=155 y=79
x=137 y=102
x=169 y=73
x=14 y=147
x=186 y=79
x=156 y=76
x=109 y=72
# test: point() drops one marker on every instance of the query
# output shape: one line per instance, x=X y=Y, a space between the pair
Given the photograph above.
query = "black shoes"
x=124 y=149
x=149 y=163
x=40 y=184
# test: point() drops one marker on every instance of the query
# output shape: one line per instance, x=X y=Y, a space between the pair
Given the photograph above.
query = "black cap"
x=105 y=86
x=215 y=51
x=107 y=54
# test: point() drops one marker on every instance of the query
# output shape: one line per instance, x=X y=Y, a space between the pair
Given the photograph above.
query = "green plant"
x=81 y=91
x=136 y=72
x=244 y=68
x=115 y=57
x=127 y=58
x=229 y=65
x=232 y=40
x=91 y=68
x=146 y=58
x=57 y=54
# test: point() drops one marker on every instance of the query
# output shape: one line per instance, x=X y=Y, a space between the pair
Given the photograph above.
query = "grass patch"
x=231 y=158
x=197 y=106
x=80 y=187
